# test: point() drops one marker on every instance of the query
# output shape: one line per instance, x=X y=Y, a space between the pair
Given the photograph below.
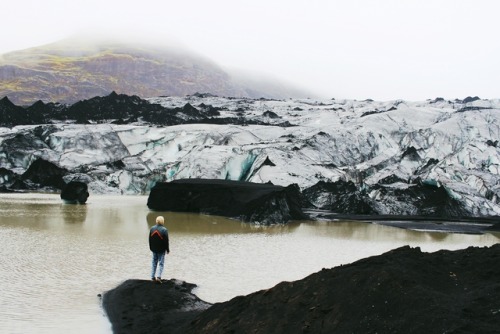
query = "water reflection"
x=70 y=253
x=74 y=213
x=360 y=231
x=189 y=223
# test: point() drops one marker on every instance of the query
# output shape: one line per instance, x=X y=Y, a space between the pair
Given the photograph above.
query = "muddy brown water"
x=56 y=258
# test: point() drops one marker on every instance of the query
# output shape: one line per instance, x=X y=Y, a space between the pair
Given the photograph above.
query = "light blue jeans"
x=158 y=260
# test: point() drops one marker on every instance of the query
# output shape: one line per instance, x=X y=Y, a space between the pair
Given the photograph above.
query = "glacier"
x=378 y=149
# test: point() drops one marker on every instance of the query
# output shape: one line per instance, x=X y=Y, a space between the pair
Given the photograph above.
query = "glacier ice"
x=379 y=146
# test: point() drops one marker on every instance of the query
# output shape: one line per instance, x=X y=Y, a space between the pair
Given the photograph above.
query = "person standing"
x=158 y=244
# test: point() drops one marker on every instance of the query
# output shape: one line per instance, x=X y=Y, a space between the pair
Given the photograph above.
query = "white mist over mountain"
x=361 y=49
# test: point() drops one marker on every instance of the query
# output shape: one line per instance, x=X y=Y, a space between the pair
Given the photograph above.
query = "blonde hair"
x=160 y=220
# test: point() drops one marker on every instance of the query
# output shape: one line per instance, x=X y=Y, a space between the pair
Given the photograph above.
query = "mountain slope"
x=73 y=70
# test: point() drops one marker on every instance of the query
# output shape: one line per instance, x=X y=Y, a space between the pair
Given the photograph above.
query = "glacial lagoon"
x=57 y=258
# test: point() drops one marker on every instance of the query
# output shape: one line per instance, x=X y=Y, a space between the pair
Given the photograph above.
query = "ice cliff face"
x=382 y=149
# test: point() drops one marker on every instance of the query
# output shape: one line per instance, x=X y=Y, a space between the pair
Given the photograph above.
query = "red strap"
x=158 y=233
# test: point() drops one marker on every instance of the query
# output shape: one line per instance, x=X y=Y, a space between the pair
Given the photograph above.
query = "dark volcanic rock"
x=401 y=291
x=191 y=112
x=340 y=197
x=45 y=174
x=252 y=202
x=38 y=113
x=10 y=114
x=469 y=99
x=118 y=109
x=270 y=114
x=414 y=199
x=411 y=153
x=75 y=192
x=492 y=143
x=138 y=306
x=423 y=199
x=210 y=110
x=113 y=106
x=391 y=179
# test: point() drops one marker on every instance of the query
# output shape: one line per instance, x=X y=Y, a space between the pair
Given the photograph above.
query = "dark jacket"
x=158 y=239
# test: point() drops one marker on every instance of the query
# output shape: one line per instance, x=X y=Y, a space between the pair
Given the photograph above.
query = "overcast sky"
x=379 y=49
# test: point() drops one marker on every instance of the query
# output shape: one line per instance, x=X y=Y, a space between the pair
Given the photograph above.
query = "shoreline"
x=466 y=225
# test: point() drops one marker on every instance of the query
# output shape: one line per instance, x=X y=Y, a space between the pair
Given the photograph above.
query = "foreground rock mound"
x=139 y=306
x=252 y=202
x=402 y=291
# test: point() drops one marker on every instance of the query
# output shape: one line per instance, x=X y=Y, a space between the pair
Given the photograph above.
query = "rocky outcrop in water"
x=401 y=291
x=264 y=204
x=75 y=192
